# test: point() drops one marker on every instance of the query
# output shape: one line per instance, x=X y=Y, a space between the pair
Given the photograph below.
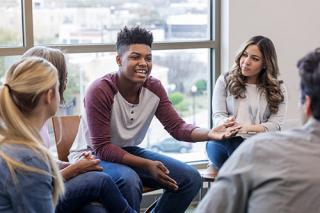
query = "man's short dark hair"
x=134 y=35
x=309 y=70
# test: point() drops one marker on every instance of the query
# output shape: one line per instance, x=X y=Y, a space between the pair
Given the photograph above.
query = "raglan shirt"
x=113 y=122
x=224 y=105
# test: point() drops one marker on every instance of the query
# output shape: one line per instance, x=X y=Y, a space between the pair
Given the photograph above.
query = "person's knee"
x=96 y=178
x=196 y=178
x=130 y=179
x=217 y=154
x=104 y=180
x=124 y=177
x=193 y=178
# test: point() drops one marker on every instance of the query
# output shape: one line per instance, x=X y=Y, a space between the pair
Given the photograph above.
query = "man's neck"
x=129 y=90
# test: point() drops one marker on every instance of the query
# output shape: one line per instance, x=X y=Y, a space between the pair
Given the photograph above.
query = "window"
x=184 y=52
x=5 y=64
x=11 y=23
x=96 y=21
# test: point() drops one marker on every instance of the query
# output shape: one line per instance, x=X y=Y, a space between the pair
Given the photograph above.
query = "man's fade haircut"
x=134 y=35
x=309 y=71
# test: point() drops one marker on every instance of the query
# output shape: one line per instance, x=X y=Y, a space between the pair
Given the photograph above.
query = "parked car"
x=171 y=145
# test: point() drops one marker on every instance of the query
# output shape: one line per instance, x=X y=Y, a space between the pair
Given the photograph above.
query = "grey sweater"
x=225 y=105
x=270 y=172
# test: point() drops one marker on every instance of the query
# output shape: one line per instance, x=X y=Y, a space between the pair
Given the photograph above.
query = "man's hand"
x=160 y=173
x=227 y=130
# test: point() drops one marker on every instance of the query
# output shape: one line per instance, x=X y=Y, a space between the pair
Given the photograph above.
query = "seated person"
x=119 y=109
x=276 y=171
x=83 y=181
x=29 y=179
x=249 y=94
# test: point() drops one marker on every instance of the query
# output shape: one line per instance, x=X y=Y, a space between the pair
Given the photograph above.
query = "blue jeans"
x=219 y=151
x=131 y=181
x=90 y=187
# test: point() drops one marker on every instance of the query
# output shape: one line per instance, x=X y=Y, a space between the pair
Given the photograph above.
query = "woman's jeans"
x=131 y=181
x=84 y=189
x=219 y=151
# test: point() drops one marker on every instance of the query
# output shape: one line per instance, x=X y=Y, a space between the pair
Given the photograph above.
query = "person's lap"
x=176 y=168
x=76 y=192
x=220 y=150
x=131 y=179
x=89 y=187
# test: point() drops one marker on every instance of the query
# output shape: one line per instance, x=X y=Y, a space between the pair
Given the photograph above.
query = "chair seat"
x=207 y=177
x=65 y=129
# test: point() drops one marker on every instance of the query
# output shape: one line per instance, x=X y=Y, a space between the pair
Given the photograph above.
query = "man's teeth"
x=142 y=71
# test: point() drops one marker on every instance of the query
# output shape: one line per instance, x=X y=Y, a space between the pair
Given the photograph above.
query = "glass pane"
x=183 y=73
x=11 y=23
x=5 y=64
x=98 y=21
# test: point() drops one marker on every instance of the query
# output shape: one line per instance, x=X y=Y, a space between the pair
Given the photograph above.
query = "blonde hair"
x=267 y=80
x=26 y=81
x=56 y=57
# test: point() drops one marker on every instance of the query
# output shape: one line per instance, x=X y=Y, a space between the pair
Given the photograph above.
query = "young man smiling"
x=119 y=109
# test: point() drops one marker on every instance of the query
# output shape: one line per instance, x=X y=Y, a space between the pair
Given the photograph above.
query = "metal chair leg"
x=151 y=207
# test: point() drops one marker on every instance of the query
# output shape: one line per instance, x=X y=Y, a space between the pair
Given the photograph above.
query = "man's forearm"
x=135 y=161
x=199 y=134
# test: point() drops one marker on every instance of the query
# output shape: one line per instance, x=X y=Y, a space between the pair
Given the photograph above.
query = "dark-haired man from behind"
x=276 y=172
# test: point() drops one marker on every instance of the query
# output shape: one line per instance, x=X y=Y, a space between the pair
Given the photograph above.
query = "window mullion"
x=27 y=24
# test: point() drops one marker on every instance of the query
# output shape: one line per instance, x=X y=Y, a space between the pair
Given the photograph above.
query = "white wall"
x=293 y=26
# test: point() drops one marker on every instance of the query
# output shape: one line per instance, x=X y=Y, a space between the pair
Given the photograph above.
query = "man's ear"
x=307 y=106
x=118 y=60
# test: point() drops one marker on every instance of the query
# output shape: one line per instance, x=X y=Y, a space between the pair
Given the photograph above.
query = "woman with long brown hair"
x=249 y=94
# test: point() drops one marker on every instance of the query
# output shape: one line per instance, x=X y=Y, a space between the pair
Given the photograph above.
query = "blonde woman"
x=29 y=179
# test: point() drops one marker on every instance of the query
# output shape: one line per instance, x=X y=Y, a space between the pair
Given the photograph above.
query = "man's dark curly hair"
x=134 y=35
x=309 y=71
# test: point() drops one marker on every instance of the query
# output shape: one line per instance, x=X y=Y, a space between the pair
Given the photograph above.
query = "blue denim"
x=127 y=181
x=219 y=151
x=32 y=191
x=90 y=187
x=93 y=208
x=131 y=180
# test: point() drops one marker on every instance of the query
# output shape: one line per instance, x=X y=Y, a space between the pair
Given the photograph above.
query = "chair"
x=68 y=126
x=209 y=178
x=65 y=130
